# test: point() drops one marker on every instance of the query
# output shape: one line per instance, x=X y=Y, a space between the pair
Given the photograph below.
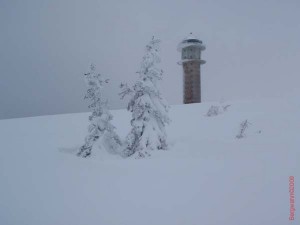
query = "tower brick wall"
x=191 y=82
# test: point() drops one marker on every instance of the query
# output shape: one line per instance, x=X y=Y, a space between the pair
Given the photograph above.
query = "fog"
x=252 y=49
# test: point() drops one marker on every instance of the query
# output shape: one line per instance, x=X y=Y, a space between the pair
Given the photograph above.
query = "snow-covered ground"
x=208 y=177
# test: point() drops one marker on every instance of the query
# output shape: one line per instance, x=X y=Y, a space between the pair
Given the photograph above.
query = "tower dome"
x=190 y=40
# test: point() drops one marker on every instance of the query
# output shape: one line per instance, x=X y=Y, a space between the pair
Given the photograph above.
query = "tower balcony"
x=191 y=60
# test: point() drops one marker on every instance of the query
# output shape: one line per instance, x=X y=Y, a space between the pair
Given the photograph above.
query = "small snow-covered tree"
x=100 y=127
x=243 y=126
x=149 y=109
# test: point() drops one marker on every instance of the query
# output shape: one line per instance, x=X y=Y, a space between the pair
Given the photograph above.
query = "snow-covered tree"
x=149 y=109
x=100 y=127
x=243 y=126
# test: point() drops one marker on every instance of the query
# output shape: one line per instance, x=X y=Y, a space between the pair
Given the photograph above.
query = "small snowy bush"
x=225 y=107
x=215 y=110
x=100 y=127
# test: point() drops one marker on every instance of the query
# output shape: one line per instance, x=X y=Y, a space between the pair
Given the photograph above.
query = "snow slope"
x=207 y=177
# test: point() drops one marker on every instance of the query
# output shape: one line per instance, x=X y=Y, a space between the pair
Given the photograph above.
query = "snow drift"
x=207 y=177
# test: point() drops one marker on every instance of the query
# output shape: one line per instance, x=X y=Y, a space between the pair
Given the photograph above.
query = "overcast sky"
x=252 y=49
